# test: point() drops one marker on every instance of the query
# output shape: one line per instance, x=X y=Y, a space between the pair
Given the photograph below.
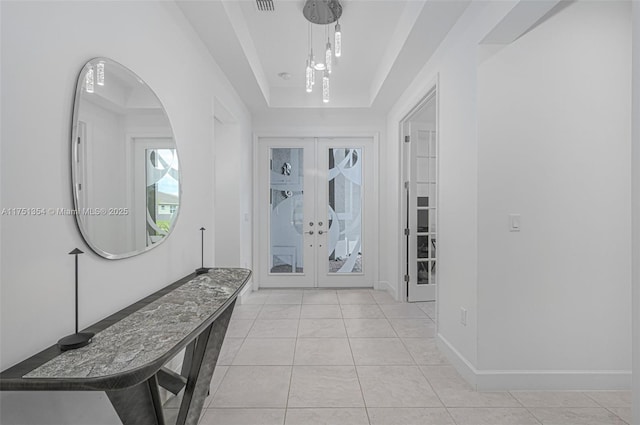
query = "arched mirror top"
x=125 y=168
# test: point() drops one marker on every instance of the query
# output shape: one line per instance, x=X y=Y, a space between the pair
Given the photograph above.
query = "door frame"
x=372 y=215
x=405 y=152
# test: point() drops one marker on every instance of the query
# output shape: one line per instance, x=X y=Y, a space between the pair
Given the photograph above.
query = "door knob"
x=311 y=223
x=320 y=232
x=319 y=223
x=310 y=232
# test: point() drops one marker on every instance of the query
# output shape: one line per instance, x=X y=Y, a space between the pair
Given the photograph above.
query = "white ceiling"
x=385 y=44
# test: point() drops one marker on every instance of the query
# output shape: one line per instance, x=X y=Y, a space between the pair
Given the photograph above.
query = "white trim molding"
x=539 y=380
x=389 y=288
x=462 y=365
x=245 y=293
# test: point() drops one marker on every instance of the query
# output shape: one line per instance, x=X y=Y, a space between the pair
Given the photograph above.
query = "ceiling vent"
x=265 y=5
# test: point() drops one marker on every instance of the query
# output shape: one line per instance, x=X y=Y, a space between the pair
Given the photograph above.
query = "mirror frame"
x=74 y=163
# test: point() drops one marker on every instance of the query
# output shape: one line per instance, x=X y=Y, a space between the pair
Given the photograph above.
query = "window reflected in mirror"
x=162 y=188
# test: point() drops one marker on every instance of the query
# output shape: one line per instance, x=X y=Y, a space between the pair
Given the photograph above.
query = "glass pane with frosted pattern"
x=287 y=210
x=345 y=211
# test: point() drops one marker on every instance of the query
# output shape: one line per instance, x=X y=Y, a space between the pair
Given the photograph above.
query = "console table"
x=130 y=348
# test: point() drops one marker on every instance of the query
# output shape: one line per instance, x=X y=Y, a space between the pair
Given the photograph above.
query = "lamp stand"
x=78 y=339
x=202 y=269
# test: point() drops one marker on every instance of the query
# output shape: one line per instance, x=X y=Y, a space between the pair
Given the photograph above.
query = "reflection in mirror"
x=126 y=175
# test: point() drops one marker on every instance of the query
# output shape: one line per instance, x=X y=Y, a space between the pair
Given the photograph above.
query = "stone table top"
x=148 y=334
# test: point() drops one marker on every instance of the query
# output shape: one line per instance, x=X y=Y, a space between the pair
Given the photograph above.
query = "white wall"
x=636 y=212
x=554 y=145
x=454 y=65
x=233 y=189
x=227 y=211
x=480 y=183
x=44 y=46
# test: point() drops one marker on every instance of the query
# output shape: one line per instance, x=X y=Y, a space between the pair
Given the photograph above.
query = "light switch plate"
x=515 y=223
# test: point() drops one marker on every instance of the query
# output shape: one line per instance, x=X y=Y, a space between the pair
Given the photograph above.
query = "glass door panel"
x=286 y=183
x=285 y=241
x=346 y=223
x=345 y=210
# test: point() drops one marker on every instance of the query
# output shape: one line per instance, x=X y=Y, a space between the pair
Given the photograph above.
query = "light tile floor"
x=357 y=357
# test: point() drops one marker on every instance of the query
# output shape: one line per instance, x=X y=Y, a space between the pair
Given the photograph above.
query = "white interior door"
x=287 y=212
x=318 y=225
x=422 y=200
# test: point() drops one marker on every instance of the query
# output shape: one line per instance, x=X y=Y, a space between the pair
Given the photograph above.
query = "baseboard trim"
x=462 y=365
x=246 y=291
x=391 y=289
x=535 y=380
x=558 y=380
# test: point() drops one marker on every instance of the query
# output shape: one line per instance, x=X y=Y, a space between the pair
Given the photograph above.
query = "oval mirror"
x=126 y=178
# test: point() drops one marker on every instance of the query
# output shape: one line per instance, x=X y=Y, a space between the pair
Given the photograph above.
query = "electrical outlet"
x=463 y=316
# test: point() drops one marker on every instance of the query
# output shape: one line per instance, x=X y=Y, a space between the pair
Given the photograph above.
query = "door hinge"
x=406 y=278
x=406 y=185
x=407 y=139
x=407 y=232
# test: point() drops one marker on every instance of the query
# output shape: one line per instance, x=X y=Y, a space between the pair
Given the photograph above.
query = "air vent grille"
x=265 y=5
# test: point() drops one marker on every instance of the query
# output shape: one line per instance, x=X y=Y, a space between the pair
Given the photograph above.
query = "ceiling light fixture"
x=327 y=53
x=322 y=12
x=100 y=72
x=89 y=80
x=338 y=40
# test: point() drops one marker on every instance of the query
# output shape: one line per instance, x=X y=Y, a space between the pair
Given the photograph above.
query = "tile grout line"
x=364 y=402
x=615 y=414
x=436 y=394
x=293 y=362
x=527 y=408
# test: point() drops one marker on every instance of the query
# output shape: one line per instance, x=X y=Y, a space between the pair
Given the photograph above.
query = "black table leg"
x=138 y=405
x=204 y=359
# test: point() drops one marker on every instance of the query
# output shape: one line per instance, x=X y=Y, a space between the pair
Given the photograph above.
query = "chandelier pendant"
x=322 y=12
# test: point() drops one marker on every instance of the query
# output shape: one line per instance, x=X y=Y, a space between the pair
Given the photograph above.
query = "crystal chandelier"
x=322 y=12
x=94 y=76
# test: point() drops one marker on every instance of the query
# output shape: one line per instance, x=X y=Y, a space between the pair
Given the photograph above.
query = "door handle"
x=310 y=232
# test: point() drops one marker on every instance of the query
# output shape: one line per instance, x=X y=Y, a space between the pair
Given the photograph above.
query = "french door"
x=316 y=212
x=421 y=197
